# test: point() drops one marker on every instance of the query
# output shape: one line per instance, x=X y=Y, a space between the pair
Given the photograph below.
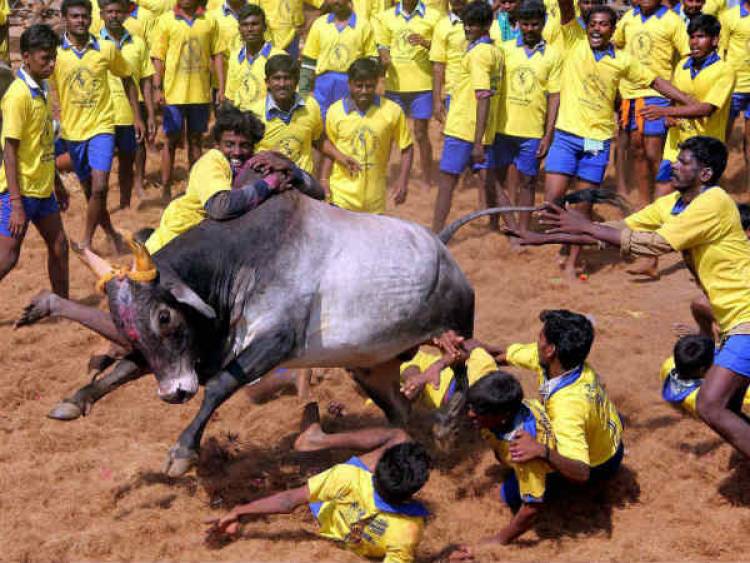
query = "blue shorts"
x=330 y=87
x=740 y=104
x=665 y=171
x=95 y=153
x=125 y=139
x=457 y=156
x=60 y=147
x=34 y=207
x=417 y=105
x=631 y=121
x=447 y=103
x=520 y=151
x=734 y=355
x=567 y=156
x=196 y=116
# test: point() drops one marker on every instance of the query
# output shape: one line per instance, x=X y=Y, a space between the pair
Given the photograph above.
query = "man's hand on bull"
x=226 y=527
x=451 y=344
x=267 y=162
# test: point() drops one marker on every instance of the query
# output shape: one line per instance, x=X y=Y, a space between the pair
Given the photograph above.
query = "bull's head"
x=157 y=314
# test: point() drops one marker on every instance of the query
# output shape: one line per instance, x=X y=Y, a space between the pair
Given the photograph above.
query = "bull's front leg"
x=263 y=355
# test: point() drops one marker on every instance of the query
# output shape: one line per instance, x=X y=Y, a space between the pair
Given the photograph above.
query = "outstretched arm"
x=567 y=11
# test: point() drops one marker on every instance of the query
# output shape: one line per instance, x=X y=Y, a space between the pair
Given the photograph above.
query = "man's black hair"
x=497 y=393
x=710 y=153
x=693 y=355
x=401 y=472
x=744 y=209
x=39 y=37
x=251 y=10
x=478 y=13
x=364 y=69
x=602 y=9
x=706 y=23
x=230 y=118
x=104 y=3
x=532 y=10
x=572 y=334
x=283 y=63
x=68 y=4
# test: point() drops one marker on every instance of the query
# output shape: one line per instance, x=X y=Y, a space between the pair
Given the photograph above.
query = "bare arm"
x=483 y=111
x=218 y=62
x=567 y=11
x=132 y=92
x=667 y=89
x=438 y=82
x=157 y=81
x=401 y=187
x=148 y=100
x=17 y=212
x=521 y=522
x=553 y=105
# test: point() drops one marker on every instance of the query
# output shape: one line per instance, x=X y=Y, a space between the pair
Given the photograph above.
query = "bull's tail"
x=588 y=195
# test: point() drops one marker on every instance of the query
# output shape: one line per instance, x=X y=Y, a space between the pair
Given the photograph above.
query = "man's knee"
x=420 y=129
x=8 y=259
x=708 y=407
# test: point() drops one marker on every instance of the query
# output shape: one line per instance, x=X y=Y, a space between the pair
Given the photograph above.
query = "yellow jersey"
x=589 y=83
x=135 y=53
x=291 y=134
x=246 y=76
x=653 y=41
x=735 y=44
x=27 y=117
x=210 y=175
x=709 y=235
x=531 y=75
x=586 y=424
x=683 y=393
x=481 y=70
x=156 y=7
x=531 y=475
x=479 y=364
x=81 y=80
x=366 y=137
x=229 y=30
x=550 y=33
x=368 y=9
x=336 y=49
x=4 y=45
x=410 y=69
x=285 y=18
x=350 y=512
x=140 y=22
x=186 y=46
x=448 y=47
x=713 y=83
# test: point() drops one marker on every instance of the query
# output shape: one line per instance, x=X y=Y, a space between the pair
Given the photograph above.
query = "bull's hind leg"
x=127 y=369
x=383 y=385
x=264 y=354
x=47 y=304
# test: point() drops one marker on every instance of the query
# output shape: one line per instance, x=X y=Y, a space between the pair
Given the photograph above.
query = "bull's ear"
x=183 y=294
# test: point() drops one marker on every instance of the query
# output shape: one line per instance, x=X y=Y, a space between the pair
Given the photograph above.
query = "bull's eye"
x=164 y=317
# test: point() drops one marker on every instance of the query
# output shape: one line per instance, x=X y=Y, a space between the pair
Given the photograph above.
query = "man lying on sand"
x=366 y=503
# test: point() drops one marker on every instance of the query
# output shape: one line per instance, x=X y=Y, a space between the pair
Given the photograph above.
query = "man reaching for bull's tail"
x=209 y=192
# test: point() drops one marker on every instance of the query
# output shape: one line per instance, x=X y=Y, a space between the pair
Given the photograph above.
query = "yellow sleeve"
x=4 y=12
x=618 y=37
x=571 y=34
x=147 y=67
x=315 y=3
x=159 y=40
x=524 y=356
x=210 y=176
x=532 y=480
x=382 y=31
x=479 y=364
x=402 y=131
x=312 y=43
x=421 y=361
x=721 y=89
x=216 y=40
x=15 y=112
x=681 y=40
x=438 y=48
x=553 y=81
x=368 y=41
x=481 y=68
x=639 y=74
x=650 y=217
x=404 y=553
x=332 y=484
x=703 y=221
x=666 y=368
x=495 y=32
x=317 y=125
x=569 y=429
x=117 y=63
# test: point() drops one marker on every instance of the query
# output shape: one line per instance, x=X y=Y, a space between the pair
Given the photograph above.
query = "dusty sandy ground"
x=91 y=489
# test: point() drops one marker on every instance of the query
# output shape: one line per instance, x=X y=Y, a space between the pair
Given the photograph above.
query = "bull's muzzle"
x=178 y=391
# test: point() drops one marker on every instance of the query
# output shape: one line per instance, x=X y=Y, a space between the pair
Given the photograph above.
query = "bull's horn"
x=96 y=263
x=144 y=268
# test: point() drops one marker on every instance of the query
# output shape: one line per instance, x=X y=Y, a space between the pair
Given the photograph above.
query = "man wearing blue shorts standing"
x=403 y=35
x=87 y=116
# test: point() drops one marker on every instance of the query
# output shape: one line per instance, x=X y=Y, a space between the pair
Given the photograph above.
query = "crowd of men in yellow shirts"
x=512 y=85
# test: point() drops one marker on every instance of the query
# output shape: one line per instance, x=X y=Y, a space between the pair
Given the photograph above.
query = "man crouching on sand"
x=366 y=503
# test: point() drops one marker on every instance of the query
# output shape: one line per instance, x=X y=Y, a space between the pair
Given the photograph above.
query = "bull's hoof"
x=65 y=410
x=179 y=461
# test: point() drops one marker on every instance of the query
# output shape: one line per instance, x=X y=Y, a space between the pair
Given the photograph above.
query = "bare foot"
x=646 y=267
x=682 y=329
x=312 y=437
x=41 y=307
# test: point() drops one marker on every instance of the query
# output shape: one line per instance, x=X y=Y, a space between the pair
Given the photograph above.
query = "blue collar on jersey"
x=273 y=109
x=350 y=106
x=35 y=88
x=412 y=508
x=125 y=37
x=264 y=52
x=418 y=11
x=680 y=205
x=708 y=61
x=524 y=420
x=676 y=390
x=599 y=54
x=530 y=51
x=563 y=381
x=351 y=22
x=659 y=13
x=91 y=44
x=482 y=40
